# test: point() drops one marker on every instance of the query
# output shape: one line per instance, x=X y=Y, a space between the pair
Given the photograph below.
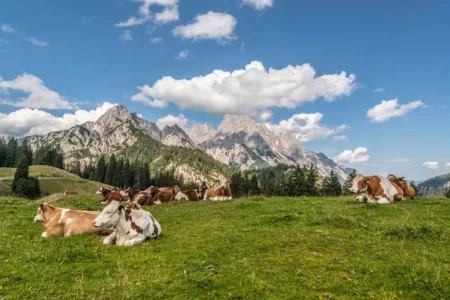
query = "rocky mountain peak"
x=113 y=117
x=237 y=123
x=201 y=133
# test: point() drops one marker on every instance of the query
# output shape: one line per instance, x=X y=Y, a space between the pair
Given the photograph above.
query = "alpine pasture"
x=256 y=248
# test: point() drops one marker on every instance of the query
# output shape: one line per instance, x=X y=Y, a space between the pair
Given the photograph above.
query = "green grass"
x=259 y=248
x=52 y=181
x=40 y=171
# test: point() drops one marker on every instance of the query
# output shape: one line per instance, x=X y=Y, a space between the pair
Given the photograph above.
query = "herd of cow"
x=130 y=225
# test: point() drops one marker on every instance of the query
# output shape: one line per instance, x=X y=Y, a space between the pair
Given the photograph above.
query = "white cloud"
x=340 y=138
x=398 y=160
x=170 y=120
x=258 y=4
x=391 y=109
x=169 y=14
x=242 y=48
x=156 y=40
x=38 y=43
x=182 y=55
x=212 y=25
x=306 y=127
x=126 y=36
x=7 y=28
x=39 y=96
x=433 y=165
x=26 y=121
x=378 y=90
x=447 y=165
x=359 y=155
x=248 y=91
x=265 y=115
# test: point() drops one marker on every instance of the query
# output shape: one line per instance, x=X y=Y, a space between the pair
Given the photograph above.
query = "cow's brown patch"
x=136 y=228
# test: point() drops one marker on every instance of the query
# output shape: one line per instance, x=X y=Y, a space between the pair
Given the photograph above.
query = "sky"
x=366 y=83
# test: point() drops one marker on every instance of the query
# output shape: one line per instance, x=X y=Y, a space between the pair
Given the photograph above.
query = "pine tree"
x=143 y=178
x=110 y=169
x=236 y=179
x=254 y=186
x=23 y=185
x=348 y=183
x=26 y=150
x=311 y=181
x=335 y=185
x=100 y=170
x=11 y=153
x=3 y=152
x=118 y=174
x=127 y=174
x=326 y=186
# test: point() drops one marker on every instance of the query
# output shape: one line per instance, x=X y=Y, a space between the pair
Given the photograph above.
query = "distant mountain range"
x=199 y=153
x=435 y=186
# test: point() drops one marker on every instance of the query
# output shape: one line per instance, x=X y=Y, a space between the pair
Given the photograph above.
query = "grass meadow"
x=256 y=248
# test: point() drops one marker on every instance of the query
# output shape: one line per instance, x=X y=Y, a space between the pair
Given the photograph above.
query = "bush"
x=28 y=188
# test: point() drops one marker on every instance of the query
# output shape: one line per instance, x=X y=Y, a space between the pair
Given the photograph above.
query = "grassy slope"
x=272 y=248
x=64 y=181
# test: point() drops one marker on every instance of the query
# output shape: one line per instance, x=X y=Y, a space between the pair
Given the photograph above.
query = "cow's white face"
x=355 y=184
x=99 y=192
x=40 y=216
x=110 y=216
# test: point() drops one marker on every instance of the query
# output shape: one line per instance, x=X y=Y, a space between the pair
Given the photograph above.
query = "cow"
x=131 y=225
x=62 y=222
x=131 y=193
x=375 y=189
x=219 y=193
x=109 y=195
x=70 y=193
x=190 y=195
x=408 y=191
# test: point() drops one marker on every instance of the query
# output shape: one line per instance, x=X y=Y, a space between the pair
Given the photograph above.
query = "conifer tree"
x=100 y=170
x=23 y=185
x=11 y=153
x=118 y=174
x=3 y=152
x=127 y=175
x=311 y=181
x=254 y=186
x=110 y=169
x=26 y=150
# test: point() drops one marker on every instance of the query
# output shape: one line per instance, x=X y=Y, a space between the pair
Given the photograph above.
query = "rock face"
x=239 y=141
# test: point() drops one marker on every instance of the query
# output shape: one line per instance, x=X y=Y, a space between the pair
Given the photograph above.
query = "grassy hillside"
x=260 y=248
x=52 y=180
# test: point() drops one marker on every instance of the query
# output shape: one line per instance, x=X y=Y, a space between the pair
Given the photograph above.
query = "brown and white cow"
x=376 y=189
x=219 y=193
x=62 y=222
x=408 y=191
x=191 y=195
x=131 y=225
x=131 y=193
x=109 y=195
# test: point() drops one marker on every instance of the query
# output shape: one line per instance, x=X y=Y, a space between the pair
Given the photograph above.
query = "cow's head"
x=360 y=184
x=176 y=189
x=110 y=216
x=101 y=191
x=43 y=208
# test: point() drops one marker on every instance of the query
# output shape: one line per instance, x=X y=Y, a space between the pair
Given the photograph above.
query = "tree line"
x=11 y=152
x=123 y=173
x=300 y=181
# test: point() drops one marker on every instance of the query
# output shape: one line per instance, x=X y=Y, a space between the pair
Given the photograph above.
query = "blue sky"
x=84 y=57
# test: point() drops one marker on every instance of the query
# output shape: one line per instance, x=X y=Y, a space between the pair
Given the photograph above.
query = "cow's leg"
x=53 y=231
x=135 y=241
x=110 y=239
x=383 y=200
x=361 y=199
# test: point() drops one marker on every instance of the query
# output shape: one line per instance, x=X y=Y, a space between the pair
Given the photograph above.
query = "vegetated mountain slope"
x=435 y=185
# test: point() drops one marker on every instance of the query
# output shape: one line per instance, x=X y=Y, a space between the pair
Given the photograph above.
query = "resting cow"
x=375 y=189
x=110 y=195
x=131 y=193
x=131 y=225
x=408 y=191
x=61 y=222
x=191 y=195
x=219 y=193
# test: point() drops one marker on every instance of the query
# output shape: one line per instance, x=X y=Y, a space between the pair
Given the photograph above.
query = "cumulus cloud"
x=378 y=90
x=126 y=36
x=306 y=127
x=249 y=91
x=182 y=55
x=170 y=13
x=156 y=40
x=39 y=96
x=391 y=109
x=170 y=120
x=359 y=155
x=340 y=138
x=432 y=165
x=212 y=25
x=258 y=4
x=26 y=121
x=7 y=28
x=37 y=43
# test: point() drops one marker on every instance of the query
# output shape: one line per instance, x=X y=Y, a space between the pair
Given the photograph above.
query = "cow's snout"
x=94 y=224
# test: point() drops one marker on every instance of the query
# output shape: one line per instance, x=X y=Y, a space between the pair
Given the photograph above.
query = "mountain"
x=198 y=154
x=435 y=185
